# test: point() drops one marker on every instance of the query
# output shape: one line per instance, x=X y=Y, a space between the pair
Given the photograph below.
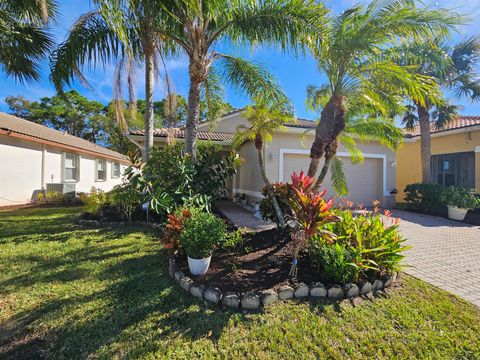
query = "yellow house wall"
x=409 y=169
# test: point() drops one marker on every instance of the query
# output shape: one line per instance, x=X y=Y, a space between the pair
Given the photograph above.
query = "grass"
x=70 y=292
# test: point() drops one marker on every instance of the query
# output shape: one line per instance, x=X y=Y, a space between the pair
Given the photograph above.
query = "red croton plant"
x=174 y=227
x=309 y=212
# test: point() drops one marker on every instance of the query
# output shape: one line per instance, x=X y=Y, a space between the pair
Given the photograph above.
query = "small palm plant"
x=265 y=119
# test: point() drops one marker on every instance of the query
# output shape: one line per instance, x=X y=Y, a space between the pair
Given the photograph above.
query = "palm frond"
x=337 y=176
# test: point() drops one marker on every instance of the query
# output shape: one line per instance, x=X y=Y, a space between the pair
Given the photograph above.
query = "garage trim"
x=284 y=151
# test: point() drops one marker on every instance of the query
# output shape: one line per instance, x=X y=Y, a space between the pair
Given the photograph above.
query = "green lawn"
x=69 y=292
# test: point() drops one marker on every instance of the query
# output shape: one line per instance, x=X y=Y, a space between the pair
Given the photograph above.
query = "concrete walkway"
x=444 y=253
x=241 y=217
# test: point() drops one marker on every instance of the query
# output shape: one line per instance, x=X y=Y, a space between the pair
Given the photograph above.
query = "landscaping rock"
x=389 y=280
x=317 y=290
x=377 y=285
x=197 y=290
x=366 y=288
x=301 y=290
x=335 y=292
x=212 y=295
x=274 y=259
x=268 y=297
x=250 y=301
x=285 y=292
x=172 y=267
x=178 y=275
x=351 y=290
x=231 y=299
x=185 y=283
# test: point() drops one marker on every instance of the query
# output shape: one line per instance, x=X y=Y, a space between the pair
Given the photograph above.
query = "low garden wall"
x=256 y=300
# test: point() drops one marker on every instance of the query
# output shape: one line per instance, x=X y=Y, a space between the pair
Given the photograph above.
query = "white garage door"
x=364 y=180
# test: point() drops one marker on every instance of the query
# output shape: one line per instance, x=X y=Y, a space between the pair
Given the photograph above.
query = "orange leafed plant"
x=174 y=228
x=309 y=212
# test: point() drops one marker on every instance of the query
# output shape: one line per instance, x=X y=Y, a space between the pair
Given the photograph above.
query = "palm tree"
x=24 y=36
x=350 y=52
x=454 y=70
x=121 y=31
x=265 y=119
x=363 y=123
x=198 y=26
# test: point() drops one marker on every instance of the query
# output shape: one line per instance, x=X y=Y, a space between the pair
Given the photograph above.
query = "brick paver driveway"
x=444 y=253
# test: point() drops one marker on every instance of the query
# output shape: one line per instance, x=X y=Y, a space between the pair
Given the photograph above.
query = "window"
x=115 y=170
x=101 y=171
x=71 y=164
x=454 y=169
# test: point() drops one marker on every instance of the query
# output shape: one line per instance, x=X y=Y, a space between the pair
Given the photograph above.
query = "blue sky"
x=293 y=73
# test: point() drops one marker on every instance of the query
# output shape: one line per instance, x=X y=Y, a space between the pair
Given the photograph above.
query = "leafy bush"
x=173 y=230
x=202 y=232
x=375 y=245
x=283 y=192
x=127 y=198
x=172 y=179
x=460 y=197
x=335 y=261
x=57 y=198
x=426 y=198
x=233 y=241
x=94 y=200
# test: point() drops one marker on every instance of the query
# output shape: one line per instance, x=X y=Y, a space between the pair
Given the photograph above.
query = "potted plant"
x=459 y=200
x=243 y=199
x=201 y=233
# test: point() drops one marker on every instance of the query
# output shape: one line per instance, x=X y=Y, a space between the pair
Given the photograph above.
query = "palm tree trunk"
x=330 y=152
x=198 y=71
x=331 y=124
x=425 y=143
x=149 y=83
x=276 y=206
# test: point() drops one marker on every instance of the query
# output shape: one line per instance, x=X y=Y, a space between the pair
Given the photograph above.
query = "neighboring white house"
x=35 y=158
x=288 y=152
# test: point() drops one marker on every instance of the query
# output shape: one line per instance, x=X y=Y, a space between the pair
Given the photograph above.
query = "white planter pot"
x=243 y=201
x=198 y=266
x=456 y=213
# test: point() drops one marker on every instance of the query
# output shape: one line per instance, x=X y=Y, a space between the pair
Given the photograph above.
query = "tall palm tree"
x=24 y=36
x=454 y=69
x=122 y=31
x=198 y=26
x=350 y=52
x=363 y=123
x=265 y=119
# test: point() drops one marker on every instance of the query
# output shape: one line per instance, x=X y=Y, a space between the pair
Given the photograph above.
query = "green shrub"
x=201 y=233
x=375 y=242
x=335 y=261
x=233 y=241
x=426 y=198
x=94 y=200
x=172 y=180
x=127 y=198
x=460 y=197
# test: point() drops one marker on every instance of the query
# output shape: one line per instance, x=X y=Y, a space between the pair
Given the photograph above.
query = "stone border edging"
x=255 y=301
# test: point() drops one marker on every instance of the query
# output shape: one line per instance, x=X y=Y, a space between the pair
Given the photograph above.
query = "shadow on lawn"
x=140 y=306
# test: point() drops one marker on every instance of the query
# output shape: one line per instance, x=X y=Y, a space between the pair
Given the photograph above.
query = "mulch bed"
x=264 y=264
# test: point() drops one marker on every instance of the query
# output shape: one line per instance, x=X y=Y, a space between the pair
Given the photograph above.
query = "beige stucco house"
x=289 y=152
x=34 y=158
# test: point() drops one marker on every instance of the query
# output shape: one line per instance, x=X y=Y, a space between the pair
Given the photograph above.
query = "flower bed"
x=259 y=276
x=256 y=299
